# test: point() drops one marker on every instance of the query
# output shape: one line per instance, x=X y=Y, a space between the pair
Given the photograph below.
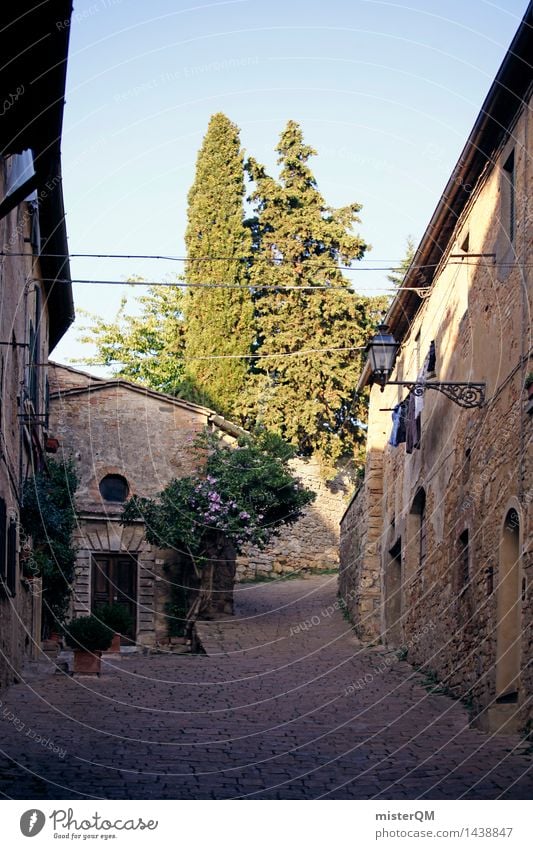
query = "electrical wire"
x=312 y=287
x=171 y=258
x=395 y=265
x=250 y=356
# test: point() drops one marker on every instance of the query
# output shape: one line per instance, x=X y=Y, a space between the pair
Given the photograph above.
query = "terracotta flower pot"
x=87 y=662
x=115 y=645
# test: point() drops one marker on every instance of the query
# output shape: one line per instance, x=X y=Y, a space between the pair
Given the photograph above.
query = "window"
x=465 y=243
x=114 y=488
x=463 y=562
x=508 y=197
x=417 y=352
x=11 y=576
x=418 y=512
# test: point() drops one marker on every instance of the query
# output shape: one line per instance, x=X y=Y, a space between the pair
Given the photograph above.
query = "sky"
x=385 y=92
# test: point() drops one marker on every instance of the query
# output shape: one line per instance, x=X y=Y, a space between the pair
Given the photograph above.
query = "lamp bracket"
x=468 y=395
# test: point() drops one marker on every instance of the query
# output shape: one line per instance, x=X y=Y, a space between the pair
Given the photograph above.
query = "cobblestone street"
x=277 y=708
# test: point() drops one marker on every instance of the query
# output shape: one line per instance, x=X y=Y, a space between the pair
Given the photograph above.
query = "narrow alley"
x=285 y=704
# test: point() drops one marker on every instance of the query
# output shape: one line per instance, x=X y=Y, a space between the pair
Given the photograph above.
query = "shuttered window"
x=509 y=198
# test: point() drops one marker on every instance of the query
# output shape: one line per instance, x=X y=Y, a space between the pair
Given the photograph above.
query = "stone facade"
x=312 y=543
x=115 y=428
x=118 y=430
x=34 y=313
x=443 y=536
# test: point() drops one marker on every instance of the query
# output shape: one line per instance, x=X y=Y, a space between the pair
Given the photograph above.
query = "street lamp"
x=382 y=350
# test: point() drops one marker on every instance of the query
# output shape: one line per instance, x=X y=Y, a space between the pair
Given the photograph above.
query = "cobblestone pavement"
x=279 y=707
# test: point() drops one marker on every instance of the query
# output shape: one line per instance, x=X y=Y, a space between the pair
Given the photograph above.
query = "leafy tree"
x=218 y=320
x=299 y=241
x=241 y=494
x=48 y=517
x=146 y=347
x=397 y=276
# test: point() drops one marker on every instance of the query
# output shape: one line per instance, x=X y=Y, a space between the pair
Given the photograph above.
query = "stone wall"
x=312 y=543
x=19 y=607
x=473 y=468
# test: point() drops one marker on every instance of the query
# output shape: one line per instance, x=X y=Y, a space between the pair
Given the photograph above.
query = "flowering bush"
x=243 y=493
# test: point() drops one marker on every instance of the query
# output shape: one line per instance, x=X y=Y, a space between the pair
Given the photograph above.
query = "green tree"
x=299 y=241
x=397 y=275
x=48 y=519
x=242 y=494
x=218 y=330
x=146 y=346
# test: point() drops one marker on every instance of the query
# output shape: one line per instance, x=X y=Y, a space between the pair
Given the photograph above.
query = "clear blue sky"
x=386 y=93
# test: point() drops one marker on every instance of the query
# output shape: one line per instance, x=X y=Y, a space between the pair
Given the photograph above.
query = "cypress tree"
x=397 y=275
x=218 y=321
x=299 y=241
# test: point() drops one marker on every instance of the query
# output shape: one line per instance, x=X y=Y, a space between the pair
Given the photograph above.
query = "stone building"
x=127 y=440
x=35 y=310
x=438 y=542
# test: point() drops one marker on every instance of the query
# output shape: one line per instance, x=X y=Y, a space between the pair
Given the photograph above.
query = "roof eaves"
x=503 y=101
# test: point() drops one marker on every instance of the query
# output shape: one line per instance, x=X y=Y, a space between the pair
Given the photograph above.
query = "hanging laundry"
x=393 y=439
x=412 y=426
x=421 y=379
x=398 y=424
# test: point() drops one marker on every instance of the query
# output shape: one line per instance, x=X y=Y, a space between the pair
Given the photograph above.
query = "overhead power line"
x=394 y=264
x=243 y=286
x=249 y=356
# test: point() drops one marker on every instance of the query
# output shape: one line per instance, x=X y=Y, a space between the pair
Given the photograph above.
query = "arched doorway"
x=393 y=596
x=509 y=603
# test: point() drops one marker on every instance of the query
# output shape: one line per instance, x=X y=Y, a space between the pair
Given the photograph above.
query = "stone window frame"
x=116 y=476
x=98 y=472
x=416 y=549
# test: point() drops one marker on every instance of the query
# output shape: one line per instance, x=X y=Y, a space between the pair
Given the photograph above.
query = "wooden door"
x=509 y=613
x=114 y=581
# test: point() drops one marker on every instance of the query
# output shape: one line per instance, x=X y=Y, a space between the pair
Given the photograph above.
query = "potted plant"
x=89 y=638
x=529 y=384
x=118 y=620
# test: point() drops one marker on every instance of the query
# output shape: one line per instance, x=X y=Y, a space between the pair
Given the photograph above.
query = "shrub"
x=88 y=633
x=115 y=616
x=48 y=518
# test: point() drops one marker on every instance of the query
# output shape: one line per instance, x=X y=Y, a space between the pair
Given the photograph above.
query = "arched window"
x=114 y=488
x=418 y=510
